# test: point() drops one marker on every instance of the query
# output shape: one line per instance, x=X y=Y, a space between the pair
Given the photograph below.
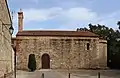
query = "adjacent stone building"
x=55 y=49
x=6 y=50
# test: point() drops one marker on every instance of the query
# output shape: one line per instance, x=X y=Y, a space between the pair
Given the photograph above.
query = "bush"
x=32 y=62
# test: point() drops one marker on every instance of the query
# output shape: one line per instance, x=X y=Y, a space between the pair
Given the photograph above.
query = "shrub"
x=32 y=62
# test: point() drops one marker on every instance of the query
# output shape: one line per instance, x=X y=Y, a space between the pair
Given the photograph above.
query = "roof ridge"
x=48 y=30
x=54 y=31
x=57 y=33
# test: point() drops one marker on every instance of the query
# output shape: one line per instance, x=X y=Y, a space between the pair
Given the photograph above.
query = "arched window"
x=88 y=46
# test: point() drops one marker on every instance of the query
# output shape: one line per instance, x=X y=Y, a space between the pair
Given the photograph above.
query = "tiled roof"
x=57 y=33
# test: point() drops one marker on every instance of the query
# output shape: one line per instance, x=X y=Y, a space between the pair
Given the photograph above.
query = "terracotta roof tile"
x=57 y=33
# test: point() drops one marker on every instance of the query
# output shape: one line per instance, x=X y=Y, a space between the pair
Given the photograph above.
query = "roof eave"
x=8 y=11
x=58 y=35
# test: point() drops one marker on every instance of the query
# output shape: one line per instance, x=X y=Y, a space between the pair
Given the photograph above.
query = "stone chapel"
x=58 y=49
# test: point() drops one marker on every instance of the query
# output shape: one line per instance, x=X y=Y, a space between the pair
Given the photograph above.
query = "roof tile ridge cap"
x=48 y=31
x=84 y=31
x=95 y=34
x=92 y=32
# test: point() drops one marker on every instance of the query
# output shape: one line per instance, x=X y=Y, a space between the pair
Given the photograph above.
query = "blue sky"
x=65 y=14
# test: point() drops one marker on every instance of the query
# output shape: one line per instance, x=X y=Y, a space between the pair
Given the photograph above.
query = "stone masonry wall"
x=103 y=53
x=64 y=52
x=5 y=40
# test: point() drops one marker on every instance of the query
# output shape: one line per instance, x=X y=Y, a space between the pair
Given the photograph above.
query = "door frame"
x=45 y=61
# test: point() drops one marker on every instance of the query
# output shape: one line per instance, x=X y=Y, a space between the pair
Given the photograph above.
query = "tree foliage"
x=32 y=62
x=112 y=36
x=118 y=23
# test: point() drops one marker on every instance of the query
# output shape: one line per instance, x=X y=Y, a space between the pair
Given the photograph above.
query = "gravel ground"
x=73 y=74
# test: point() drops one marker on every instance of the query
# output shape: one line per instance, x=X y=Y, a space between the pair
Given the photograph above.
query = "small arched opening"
x=45 y=61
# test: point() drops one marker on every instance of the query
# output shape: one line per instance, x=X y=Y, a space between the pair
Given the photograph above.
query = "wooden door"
x=45 y=61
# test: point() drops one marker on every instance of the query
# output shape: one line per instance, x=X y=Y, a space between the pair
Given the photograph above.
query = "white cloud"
x=110 y=19
x=41 y=14
x=81 y=14
x=72 y=14
x=66 y=18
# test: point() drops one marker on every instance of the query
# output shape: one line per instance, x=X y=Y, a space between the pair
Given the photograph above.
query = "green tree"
x=101 y=30
x=113 y=42
x=32 y=62
x=113 y=45
x=118 y=23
